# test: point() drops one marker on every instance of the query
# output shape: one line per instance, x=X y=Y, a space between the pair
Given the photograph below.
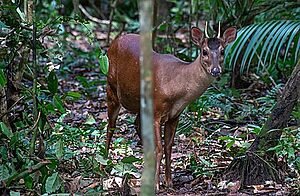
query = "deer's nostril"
x=215 y=71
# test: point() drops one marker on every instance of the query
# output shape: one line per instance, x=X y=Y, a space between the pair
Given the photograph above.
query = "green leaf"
x=59 y=149
x=53 y=183
x=230 y=144
x=52 y=82
x=21 y=14
x=130 y=159
x=3 y=25
x=90 y=120
x=100 y=159
x=224 y=138
x=5 y=130
x=104 y=64
x=3 y=153
x=2 y=78
x=58 y=104
x=74 y=95
x=263 y=42
x=4 y=172
x=28 y=182
x=14 y=193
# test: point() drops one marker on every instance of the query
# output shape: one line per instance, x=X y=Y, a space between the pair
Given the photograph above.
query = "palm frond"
x=263 y=42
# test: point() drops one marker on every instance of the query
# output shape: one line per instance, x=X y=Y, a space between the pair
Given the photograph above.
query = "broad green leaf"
x=3 y=153
x=53 y=183
x=28 y=182
x=74 y=95
x=59 y=104
x=52 y=82
x=14 y=193
x=5 y=130
x=90 y=120
x=2 y=78
x=230 y=144
x=104 y=64
x=100 y=159
x=264 y=42
x=130 y=159
x=3 y=25
x=21 y=14
x=4 y=172
x=225 y=138
x=59 y=149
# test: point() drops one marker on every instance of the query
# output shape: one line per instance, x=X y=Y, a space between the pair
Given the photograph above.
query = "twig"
x=92 y=18
x=11 y=107
x=113 y=7
x=37 y=120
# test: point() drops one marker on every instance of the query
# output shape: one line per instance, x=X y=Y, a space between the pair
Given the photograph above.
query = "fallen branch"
x=26 y=172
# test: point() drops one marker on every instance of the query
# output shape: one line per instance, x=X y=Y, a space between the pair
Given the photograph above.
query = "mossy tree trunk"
x=258 y=164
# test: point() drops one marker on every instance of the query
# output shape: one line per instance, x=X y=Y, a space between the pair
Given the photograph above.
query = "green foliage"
x=202 y=167
x=2 y=78
x=104 y=64
x=264 y=43
x=52 y=82
x=53 y=183
x=53 y=131
x=289 y=146
x=47 y=132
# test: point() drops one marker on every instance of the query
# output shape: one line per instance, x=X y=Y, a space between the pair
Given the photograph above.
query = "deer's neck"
x=198 y=81
x=194 y=81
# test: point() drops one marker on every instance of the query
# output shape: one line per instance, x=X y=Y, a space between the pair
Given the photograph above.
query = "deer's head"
x=212 y=48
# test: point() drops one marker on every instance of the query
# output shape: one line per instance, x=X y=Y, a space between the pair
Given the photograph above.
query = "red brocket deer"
x=175 y=84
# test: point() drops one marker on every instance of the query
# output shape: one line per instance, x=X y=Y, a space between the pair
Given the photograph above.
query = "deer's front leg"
x=169 y=133
x=158 y=150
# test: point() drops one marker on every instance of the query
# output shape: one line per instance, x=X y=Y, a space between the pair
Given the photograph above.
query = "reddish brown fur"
x=176 y=84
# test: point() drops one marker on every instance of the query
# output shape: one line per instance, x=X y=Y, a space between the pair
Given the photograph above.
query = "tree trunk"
x=259 y=165
x=146 y=9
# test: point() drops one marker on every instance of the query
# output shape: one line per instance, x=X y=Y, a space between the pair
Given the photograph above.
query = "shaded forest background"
x=53 y=68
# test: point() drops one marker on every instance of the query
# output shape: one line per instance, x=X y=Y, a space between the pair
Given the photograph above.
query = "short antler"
x=219 y=32
x=205 y=31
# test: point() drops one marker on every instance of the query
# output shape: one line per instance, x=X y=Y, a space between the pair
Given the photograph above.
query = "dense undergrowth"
x=54 y=142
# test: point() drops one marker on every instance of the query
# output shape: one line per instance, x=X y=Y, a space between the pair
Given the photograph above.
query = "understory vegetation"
x=53 y=117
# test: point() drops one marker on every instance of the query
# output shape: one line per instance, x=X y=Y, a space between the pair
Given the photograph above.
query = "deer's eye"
x=222 y=52
x=204 y=52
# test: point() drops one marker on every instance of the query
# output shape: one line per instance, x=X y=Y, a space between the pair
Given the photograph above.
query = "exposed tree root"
x=252 y=169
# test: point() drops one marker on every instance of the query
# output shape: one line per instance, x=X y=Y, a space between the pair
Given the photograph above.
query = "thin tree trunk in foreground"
x=258 y=164
x=146 y=8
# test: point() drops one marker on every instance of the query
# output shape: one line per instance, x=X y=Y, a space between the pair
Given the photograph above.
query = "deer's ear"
x=197 y=36
x=229 y=35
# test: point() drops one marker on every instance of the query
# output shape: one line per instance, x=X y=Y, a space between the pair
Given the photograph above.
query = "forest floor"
x=200 y=155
